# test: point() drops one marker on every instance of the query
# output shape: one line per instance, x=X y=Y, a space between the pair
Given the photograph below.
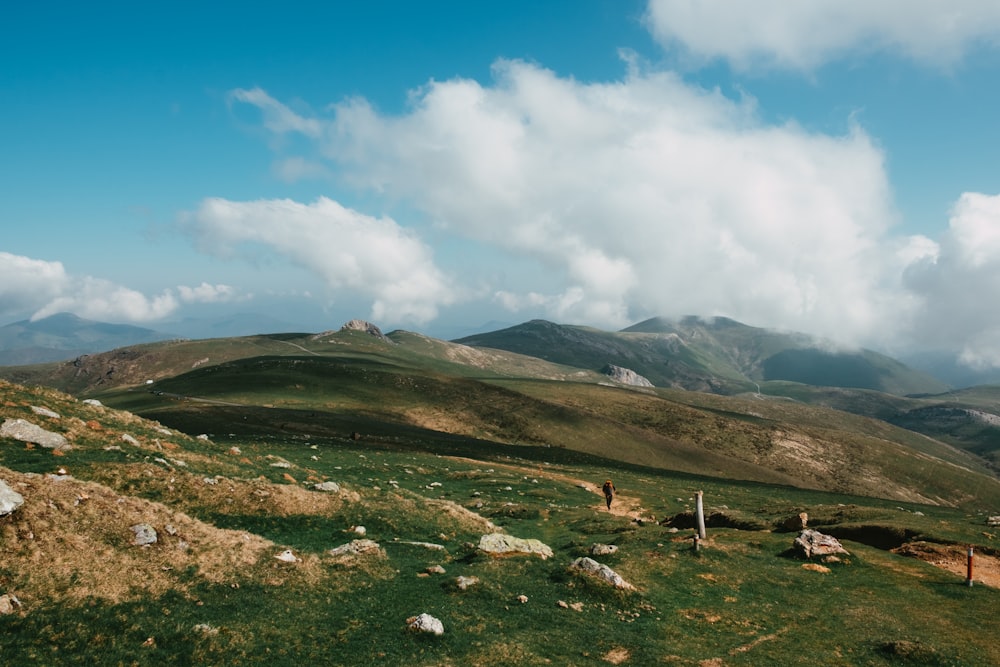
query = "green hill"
x=254 y=565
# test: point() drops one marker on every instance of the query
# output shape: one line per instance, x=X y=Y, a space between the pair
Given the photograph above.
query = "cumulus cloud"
x=957 y=281
x=651 y=196
x=646 y=196
x=804 y=35
x=43 y=288
x=346 y=249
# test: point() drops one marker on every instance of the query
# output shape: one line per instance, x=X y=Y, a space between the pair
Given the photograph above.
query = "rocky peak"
x=366 y=327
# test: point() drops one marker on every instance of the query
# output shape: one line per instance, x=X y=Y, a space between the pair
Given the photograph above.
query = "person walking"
x=609 y=492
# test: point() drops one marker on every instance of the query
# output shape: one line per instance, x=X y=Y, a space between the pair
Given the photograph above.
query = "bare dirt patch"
x=954 y=559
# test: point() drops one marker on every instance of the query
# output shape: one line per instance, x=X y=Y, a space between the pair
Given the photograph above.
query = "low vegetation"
x=242 y=571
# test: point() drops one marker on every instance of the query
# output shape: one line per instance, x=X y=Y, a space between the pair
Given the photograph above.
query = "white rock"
x=602 y=571
x=144 y=534
x=330 y=487
x=130 y=440
x=25 y=431
x=10 y=499
x=94 y=402
x=425 y=623
x=287 y=556
x=45 y=412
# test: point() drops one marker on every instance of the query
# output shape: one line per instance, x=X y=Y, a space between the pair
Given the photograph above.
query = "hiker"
x=609 y=492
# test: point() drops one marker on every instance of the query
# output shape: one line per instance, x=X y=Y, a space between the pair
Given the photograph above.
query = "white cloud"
x=43 y=288
x=347 y=250
x=957 y=284
x=649 y=196
x=804 y=35
x=206 y=293
x=26 y=283
x=98 y=299
x=278 y=118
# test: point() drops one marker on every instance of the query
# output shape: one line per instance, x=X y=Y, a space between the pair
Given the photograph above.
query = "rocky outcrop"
x=25 y=431
x=499 y=544
x=625 y=376
x=602 y=572
x=812 y=543
x=366 y=327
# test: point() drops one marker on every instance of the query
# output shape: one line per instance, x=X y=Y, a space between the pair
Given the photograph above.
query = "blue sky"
x=826 y=167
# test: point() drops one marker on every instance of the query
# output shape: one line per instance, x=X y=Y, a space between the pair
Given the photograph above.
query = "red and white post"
x=968 y=578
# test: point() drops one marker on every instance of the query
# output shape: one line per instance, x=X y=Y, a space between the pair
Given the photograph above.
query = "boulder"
x=329 y=487
x=602 y=572
x=288 y=556
x=366 y=327
x=144 y=535
x=425 y=623
x=603 y=549
x=25 y=431
x=44 y=412
x=811 y=543
x=463 y=583
x=499 y=544
x=10 y=499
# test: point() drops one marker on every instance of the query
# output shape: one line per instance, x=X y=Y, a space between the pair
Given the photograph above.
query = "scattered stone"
x=170 y=529
x=504 y=545
x=356 y=547
x=603 y=549
x=562 y=604
x=130 y=440
x=993 y=521
x=234 y=450
x=202 y=436
x=603 y=572
x=113 y=448
x=205 y=629
x=281 y=464
x=25 y=431
x=287 y=556
x=425 y=545
x=45 y=412
x=522 y=598
x=360 y=530
x=463 y=583
x=425 y=623
x=211 y=481
x=10 y=499
x=94 y=402
x=144 y=535
x=435 y=569
x=9 y=604
x=329 y=487
x=811 y=543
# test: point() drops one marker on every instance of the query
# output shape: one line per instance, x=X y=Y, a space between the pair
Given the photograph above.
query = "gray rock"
x=356 y=547
x=993 y=521
x=625 y=376
x=94 y=402
x=144 y=534
x=464 y=583
x=798 y=522
x=601 y=571
x=10 y=499
x=130 y=440
x=45 y=412
x=425 y=623
x=502 y=545
x=603 y=549
x=25 y=431
x=330 y=487
x=811 y=543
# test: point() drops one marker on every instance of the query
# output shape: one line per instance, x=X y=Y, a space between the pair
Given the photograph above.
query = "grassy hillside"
x=717 y=355
x=211 y=590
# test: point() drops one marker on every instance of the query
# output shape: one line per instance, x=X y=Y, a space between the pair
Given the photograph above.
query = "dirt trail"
x=622 y=505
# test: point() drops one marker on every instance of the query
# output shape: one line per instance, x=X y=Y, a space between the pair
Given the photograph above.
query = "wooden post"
x=968 y=579
x=699 y=511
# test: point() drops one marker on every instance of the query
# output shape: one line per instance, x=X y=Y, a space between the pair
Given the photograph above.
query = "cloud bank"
x=640 y=197
x=804 y=35
x=42 y=288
